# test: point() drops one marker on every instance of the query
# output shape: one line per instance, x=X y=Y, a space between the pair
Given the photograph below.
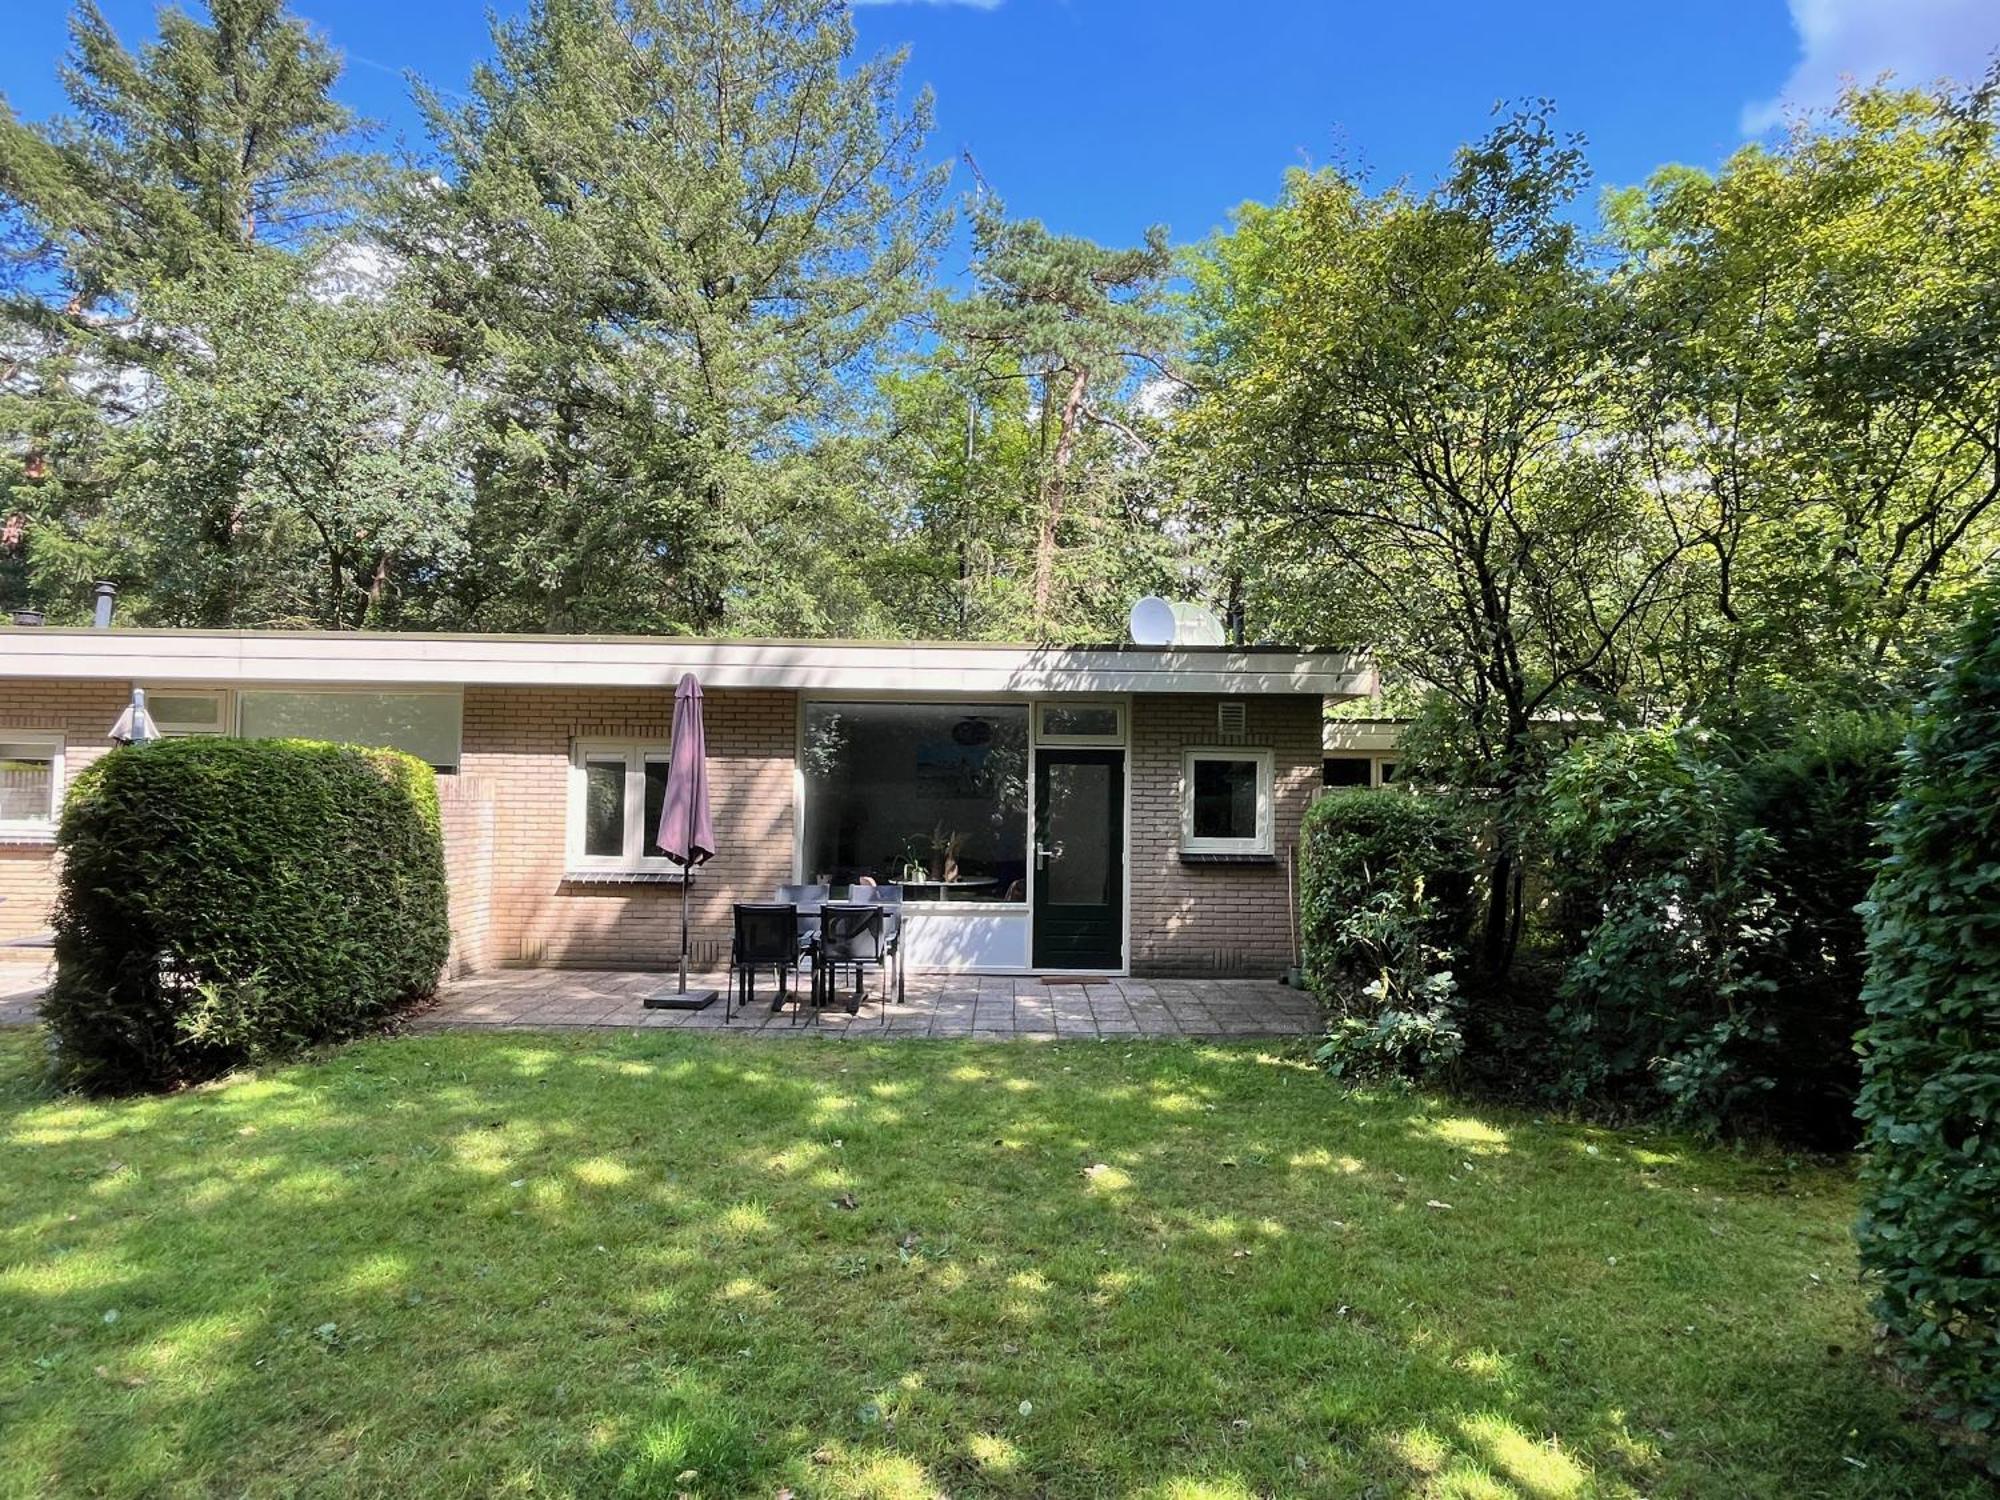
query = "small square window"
x=1226 y=802
x=184 y=711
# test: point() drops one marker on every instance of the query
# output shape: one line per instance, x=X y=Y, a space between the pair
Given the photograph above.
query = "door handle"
x=1043 y=854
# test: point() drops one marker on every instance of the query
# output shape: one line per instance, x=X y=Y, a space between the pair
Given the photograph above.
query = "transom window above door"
x=1226 y=802
x=616 y=792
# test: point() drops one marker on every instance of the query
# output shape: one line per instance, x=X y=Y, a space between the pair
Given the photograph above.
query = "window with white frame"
x=31 y=782
x=1226 y=802
x=1080 y=722
x=178 y=712
x=616 y=791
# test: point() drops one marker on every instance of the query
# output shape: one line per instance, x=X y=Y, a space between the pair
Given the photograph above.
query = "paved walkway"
x=21 y=983
x=938 y=1005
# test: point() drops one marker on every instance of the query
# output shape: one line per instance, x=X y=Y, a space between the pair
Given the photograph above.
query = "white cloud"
x=1920 y=41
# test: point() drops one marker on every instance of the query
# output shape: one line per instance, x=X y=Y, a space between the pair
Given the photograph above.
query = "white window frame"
x=225 y=711
x=39 y=830
x=1043 y=736
x=637 y=755
x=1261 y=843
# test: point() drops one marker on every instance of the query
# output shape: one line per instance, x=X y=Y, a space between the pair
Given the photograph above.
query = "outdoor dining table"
x=892 y=918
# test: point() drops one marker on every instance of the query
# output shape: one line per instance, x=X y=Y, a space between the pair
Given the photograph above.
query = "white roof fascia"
x=235 y=658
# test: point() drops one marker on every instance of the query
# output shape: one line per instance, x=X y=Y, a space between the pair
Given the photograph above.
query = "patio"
x=935 y=1005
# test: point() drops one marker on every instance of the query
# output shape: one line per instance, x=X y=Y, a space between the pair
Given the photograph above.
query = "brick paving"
x=21 y=984
x=935 y=1005
x=987 y=1008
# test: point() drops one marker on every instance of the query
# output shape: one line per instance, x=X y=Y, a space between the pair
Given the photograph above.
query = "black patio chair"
x=890 y=899
x=849 y=933
x=766 y=933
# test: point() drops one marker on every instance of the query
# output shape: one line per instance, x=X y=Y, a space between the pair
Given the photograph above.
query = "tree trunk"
x=1053 y=495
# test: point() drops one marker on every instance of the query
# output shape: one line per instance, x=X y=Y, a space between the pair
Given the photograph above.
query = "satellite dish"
x=1152 y=622
x=1162 y=622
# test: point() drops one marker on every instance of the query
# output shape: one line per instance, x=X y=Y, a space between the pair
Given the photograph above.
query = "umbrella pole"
x=686 y=870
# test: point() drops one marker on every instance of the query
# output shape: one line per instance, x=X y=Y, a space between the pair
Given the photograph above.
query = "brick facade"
x=505 y=819
x=82 y=711
x=1190 y=919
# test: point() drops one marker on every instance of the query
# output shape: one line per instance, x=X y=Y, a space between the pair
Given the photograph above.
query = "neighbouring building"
x=1114 y=809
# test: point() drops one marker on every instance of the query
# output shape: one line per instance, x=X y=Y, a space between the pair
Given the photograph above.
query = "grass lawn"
x=653 y=1265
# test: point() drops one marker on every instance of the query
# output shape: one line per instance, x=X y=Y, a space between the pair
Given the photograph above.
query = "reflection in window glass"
x=1388 y=772
x=1344 y=770
x=1225 y=799
x=423 y=724
x=27 y=782
x=656 y=801
x=1097 y=721
x=931 y=796
x=604 y=807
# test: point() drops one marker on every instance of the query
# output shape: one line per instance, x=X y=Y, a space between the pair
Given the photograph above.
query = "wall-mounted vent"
x=1232 y=718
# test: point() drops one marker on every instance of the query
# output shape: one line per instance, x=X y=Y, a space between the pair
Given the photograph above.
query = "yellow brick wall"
x=1214 y=918
x=82 y=711
x=517 y=740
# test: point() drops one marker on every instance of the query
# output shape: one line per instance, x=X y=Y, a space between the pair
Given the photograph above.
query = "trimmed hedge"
x=1385 y=902
x=1930 y=1094
x=223 y=901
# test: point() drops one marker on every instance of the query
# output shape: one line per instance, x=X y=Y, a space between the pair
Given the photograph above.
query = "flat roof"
x=228 y=658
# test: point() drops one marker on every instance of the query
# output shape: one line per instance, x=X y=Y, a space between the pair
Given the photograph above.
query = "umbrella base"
x=681 y=1000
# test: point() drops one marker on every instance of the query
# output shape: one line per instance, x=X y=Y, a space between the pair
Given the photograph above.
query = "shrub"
x=1670 y=928
x=1930 y=1094
x=1385 y=887
x=228 y=900
x=1819 y=799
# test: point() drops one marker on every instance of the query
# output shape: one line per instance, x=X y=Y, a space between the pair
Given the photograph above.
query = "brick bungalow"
x=1118 y=809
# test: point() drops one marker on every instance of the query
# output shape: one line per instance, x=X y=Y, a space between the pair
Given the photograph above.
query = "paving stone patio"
x=21 y=983
x=934 y=1005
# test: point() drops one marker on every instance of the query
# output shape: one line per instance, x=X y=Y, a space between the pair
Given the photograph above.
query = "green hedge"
x=1930 y=1095
x=1385 y=901
x=228 y=900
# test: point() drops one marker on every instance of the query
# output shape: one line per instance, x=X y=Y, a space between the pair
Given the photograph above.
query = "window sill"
x=28 y=838
x=622 y=877
x=1230 y=857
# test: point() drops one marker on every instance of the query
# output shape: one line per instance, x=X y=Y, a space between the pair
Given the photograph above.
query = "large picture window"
x=425 y=725
x=930 y=796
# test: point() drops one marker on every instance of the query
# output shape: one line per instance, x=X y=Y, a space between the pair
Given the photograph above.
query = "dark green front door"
x=1079 y=859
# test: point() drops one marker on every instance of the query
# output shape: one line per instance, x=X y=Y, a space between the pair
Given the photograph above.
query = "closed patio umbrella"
x=687 y=835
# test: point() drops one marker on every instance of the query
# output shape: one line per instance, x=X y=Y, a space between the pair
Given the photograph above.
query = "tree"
x=1409 y=423
x=218 y=141
x=1078 y=322
x=298 y=462
x=668 y=236
x=1814 y=330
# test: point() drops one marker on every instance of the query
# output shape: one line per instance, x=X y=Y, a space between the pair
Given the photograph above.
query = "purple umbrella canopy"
x=687 y=834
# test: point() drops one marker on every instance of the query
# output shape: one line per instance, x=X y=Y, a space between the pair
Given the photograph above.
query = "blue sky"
x=1102 y=116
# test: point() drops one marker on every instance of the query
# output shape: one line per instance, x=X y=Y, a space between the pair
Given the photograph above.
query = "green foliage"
x=1081 y=324
x=1385 y=881
x=1930 y=1096
x=216 y=145
x=1704 y=906
x=227 y=900
x=1818 y=796
x=668 y=236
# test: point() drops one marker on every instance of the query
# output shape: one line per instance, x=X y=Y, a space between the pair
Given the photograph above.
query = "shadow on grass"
x=658 y=1265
